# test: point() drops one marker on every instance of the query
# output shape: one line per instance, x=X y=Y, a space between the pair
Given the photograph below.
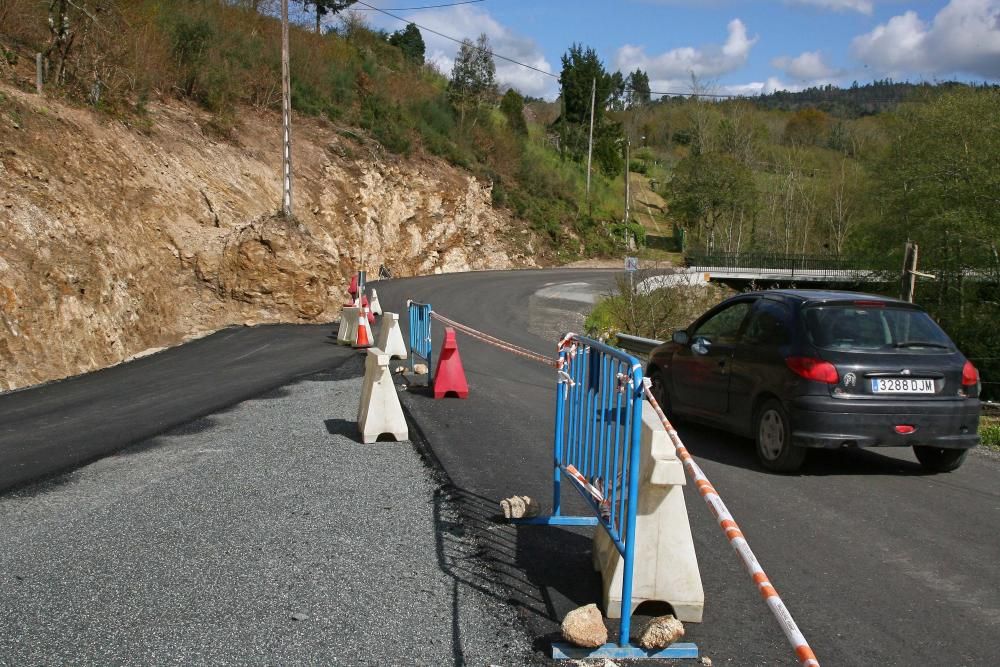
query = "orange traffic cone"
x=449 y=378
x=364 y=338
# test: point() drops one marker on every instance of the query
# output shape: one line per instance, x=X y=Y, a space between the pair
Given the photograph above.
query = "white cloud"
x=759 y=87
x=861 y=6
x=468 y=22
x=671 y=71
x=807 y=66
x=964 y=37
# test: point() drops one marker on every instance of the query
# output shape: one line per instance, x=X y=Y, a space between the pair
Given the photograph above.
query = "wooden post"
x=38 y=73
x=286 y=117
x=908 y=281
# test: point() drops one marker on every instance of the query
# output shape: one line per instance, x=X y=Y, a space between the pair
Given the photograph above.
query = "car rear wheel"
x=774 y=439
x=939 y=459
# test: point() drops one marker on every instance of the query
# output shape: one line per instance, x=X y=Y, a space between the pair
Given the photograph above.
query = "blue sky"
x=734 y=46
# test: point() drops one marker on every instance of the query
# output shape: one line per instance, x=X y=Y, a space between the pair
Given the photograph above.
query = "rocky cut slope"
x=115 y=241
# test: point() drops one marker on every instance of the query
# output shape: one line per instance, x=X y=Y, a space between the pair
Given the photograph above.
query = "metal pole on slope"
x=590 y=143
x=286 y=117
x=38 y=73
x=628 y=144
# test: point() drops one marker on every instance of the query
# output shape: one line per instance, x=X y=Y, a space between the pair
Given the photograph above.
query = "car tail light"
x=870 y=304
x=970 y=376
x=813 y=369
x=905 y=429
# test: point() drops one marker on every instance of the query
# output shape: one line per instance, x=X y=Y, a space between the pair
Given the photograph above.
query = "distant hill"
x=856 y=100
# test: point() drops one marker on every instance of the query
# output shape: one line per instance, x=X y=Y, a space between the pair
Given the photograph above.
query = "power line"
x=517 y=62
x=457 y=41
x=409 y=9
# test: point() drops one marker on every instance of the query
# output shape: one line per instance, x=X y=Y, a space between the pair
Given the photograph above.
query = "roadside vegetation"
x=989 y=432
x=843 y=174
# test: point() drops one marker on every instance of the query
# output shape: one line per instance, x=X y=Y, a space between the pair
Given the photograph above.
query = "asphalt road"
x=878 y=562
x=265 y=534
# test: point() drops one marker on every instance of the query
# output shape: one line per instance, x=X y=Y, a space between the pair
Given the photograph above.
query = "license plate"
x=902 y=386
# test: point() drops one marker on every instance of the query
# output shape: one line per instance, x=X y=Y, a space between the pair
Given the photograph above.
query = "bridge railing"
x=771 y=264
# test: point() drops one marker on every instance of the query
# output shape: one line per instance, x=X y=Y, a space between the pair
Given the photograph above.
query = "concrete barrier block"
x=666 y=566
x=379 y=412
x=390 y=337
x=347 y=333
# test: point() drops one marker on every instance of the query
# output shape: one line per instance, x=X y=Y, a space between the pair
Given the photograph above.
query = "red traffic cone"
x=449 y=377
x=364 y=338
x=368 y=312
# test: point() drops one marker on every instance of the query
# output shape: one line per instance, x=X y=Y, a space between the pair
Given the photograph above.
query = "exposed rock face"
x=113 y=242
x=661 y=632
x=584 y=626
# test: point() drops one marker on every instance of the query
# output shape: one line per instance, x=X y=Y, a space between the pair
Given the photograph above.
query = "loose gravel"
x=264 y=534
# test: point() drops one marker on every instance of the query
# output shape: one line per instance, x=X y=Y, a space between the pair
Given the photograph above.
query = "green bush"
x=989 y=432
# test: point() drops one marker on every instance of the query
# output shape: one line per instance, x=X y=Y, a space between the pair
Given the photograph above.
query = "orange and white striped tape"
x=494 y=341
x=739 y=543
x=590 y=488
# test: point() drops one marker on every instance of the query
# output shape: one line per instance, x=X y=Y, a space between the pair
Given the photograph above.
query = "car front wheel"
x=939 y=459
x=774 y=439
x=659 y=391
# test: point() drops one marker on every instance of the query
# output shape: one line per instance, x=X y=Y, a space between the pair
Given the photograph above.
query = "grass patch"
x=989 y=432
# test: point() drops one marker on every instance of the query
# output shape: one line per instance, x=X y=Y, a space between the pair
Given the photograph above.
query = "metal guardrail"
x=637 y=344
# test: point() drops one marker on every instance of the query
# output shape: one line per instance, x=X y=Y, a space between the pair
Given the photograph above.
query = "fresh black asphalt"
x=878 y=563
x=48 y=429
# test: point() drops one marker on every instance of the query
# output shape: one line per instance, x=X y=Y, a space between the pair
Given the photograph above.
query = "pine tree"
x=410 y=42
x=324 y=7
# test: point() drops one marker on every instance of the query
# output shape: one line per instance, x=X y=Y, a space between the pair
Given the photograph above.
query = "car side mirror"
x=681 y=337
x=701 y=346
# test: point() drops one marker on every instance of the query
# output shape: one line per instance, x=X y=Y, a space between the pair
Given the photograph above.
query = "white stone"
x=666 y=566
x=584 y=626
x=661 y=632
x=379 y=412
x=390 y=337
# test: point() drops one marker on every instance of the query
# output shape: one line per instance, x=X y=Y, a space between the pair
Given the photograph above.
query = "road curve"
x=878 y=562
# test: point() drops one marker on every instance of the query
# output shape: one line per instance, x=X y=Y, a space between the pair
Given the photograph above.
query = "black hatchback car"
x=795 y=369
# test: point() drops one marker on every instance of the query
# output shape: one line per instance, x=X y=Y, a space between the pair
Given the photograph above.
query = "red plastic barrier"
x=449 y=377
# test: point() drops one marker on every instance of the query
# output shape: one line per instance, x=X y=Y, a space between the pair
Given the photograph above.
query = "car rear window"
x=874 y=327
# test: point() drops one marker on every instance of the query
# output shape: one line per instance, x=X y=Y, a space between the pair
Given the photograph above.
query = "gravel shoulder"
x=263 y=534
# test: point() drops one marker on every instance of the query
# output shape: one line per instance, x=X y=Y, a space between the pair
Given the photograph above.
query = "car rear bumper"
x=818 y=421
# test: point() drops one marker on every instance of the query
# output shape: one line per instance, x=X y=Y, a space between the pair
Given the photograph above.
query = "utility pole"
x=286 y=117
x=628 y=144
x=590 y=144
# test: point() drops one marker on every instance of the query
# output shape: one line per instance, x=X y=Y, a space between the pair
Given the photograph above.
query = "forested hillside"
x=833 y=172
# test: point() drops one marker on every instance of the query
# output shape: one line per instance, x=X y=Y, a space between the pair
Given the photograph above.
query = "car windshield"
x=874 y=327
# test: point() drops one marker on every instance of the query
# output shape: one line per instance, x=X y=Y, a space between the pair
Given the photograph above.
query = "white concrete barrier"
x=390 y=337
x=347 y=333
x=379 y=412
x=374 y=305
x=666 y=566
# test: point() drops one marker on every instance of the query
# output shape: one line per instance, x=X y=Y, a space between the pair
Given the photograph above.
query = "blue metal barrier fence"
x=420 y=335
x=597 y=445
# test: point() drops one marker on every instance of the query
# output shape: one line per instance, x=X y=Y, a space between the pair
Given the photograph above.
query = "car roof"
x=814 y=296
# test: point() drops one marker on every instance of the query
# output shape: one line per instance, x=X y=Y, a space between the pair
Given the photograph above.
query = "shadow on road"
x=714 y=445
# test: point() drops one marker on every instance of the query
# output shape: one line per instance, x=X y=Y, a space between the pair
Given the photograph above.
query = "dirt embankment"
x=114 y=241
